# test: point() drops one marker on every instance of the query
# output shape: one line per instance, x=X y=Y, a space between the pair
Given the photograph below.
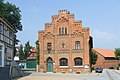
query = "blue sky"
x=102 y=16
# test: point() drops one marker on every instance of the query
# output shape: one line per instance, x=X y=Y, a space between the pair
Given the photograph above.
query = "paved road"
x=113 y=75
x=106 y=75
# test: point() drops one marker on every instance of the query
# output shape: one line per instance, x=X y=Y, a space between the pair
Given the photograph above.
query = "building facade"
x=64 y=44
x=6 y=42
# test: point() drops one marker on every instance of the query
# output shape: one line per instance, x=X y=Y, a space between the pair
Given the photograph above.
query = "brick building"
x=106 y=58
x=64 y=44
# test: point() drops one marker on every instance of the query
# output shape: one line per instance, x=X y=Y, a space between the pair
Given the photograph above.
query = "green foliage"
x=15 y=43
x=11 y=13
x=1 y=1
x=27 y=48
x=38 y=52
x=117 y=53
x=94 y=57
x=21 y=53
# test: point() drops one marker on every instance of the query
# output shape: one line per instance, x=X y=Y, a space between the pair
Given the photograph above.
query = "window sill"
x=78 y=66
x=63 y=66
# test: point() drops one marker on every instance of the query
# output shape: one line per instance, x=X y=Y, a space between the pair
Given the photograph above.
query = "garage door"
x=31 y=63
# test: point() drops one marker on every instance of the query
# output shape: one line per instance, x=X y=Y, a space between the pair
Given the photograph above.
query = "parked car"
x=111 y=67
x=98 y=69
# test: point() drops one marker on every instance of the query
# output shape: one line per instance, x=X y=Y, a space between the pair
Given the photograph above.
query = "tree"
x=27 y=48
x=94 y=57
x=21 y=53
x=11 y=13
x=38 y=56
x=15 y=43
x=38 y=52
x=117 y=53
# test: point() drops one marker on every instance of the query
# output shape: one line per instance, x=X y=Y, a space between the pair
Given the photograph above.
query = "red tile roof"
x=32 y=54
x=33 y=50
x=105 y=52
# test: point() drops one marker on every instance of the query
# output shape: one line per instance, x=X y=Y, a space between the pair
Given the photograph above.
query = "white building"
x=7 y=33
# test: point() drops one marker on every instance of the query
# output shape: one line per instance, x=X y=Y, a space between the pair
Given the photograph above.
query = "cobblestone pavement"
x=66 y=76
x=46 y=78
x=53 y=76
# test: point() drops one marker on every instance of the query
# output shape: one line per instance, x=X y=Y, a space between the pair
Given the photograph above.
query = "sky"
x=102 y=16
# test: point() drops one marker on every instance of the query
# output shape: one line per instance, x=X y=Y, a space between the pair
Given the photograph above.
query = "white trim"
x=86 y=66
x=63 y=66
x=78 y=66
x=2 y=55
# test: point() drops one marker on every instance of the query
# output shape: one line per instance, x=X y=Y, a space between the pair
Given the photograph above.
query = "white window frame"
x=2 y=55
x=63 y=66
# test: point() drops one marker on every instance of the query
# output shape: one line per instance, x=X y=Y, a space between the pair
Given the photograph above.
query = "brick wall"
x=106 y=62
x=75 y=32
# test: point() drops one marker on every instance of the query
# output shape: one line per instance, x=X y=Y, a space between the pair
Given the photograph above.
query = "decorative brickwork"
x=62 y=41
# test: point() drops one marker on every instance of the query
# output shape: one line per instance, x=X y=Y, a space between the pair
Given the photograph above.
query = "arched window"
x=77 y=45
x=78 y=61
x=49 y=59
x=65 y=30
x=59 y=31
x=62 y=30
x=63 y=62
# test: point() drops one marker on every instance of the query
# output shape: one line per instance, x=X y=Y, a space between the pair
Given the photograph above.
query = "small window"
x=78 y=61
x=62 y=30
x=0 y=47
x=1 y=28
x=63 y=62
x=11 y=34
x=49 y=47
x=59 y=31
x=77 y=45
x=65 y=30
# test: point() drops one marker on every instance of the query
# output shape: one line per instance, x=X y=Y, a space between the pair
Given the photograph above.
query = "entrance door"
x=49 y=65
